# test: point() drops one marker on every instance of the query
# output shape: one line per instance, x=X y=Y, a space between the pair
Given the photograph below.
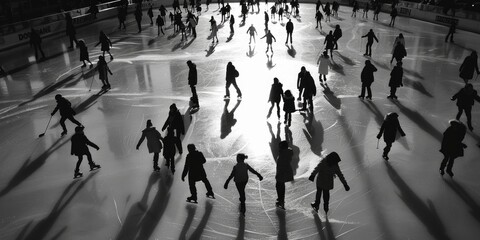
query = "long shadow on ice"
x=314 y=133
x=465 y=195
x=191 y=209
x=418 y=119
x=275 y=140
x=282 y=225
x=241 y=227
x=295 y=150
x=197 y=234
x=330 y=97
x=318 y=223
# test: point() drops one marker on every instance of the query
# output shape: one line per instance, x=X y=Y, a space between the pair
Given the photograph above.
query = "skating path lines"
x=116 y=211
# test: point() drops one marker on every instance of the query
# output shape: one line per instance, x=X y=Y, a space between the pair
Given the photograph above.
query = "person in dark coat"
x=465 y=100
x=84 y=53
x=284 y=172
x=354 y=8
x=79 y=148
x=367 y=79
x=289 y=28
x=396 y=77
x=288 y=107
x=377 y=7
x=269 y=37
x=451 y=30
x=70 y=30
x=232 y=23
x=370 y=37
x=469 y=66
x=231 y=76
x=194 y=168
x=154 y=142
x=106 y=44
x=452 y=145
x=169 y=149
x=239 y=175
x=389 y=129
x=393 y=15
x=327 y=11
x=329 y=42
x=103 y=71
x=175 y=122
x=276 y=93
x=160 y=24
x=192 y=81
x=337 y=34
x=66 y=112
x=36 y=42
x=122 y=16
x=309 y=91
x=150 y=14
x=252 y=31
x=326 y=170
x=163 y=12
x=138 y=17
x=301 y=76
x=318 y=18
x=335 y=7
x=399 y=53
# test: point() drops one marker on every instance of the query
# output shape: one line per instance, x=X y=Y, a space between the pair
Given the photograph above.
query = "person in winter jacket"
x=36 y=42
x=160 y=24
x=154 y=143
x=284 y=172
x=70 y=30
x=194 y=168
x=330 y=43
x=103 y=71
x=169 y=149
x=465 y=100
x=269 y=37
x=301 y=76
x=232 y=23
x=150 y=14
x=367 y=79
x=370 y=37
x=289 y=28
x=231 y=76
x=323 y=63
x=396 y=77
x=288 y=107
x=276 y=93
x=66 y=112
x=337 y=34
x=389 y=129
x=451 y=31
x=138 y=17
x=326 y=170
x=240 y=177
x=309 y=91
x=393 y=15
x=452 y=145
x=175 y=122
x=192 y=81
x=106 y=44
x=399 y=53
x=355 y=8
x=469 y=66
x=252 y=31
x=399 y=39
x=79 y=148
x=84 y=53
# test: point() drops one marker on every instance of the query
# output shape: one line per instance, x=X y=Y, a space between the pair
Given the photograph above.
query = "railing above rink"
x=454 y=13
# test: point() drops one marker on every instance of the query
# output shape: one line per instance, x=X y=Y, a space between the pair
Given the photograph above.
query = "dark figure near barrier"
x=367 y=79
x=138 y=17
x=79 y=148
x=70 y=30
x=36 y=42
x=154 y=143
x=194 y=168
x=370 y=37
x=122 y=16
x=326 y=170
x=393 y=15
x=451 y=30
x=288 y=107
x=106 y=44
x=66 y=112
x=469 y=66
x=355 y=8
x=284 y=172
x=169 y=149
x=240 y=177
x=452 y=145
x=289 y=28
x=396 y=77
x=276 y=93
x=389 y=129
x=231 y=76
x=175 y=122
x=465 y=100
x=192 y=81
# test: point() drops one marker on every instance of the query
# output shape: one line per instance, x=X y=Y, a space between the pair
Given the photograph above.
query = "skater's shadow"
x=418 y=119
x=270 y=63
x=30 y=166
x=282 y=225
x=313 y=132
x=242 y=23
x=274 y=140
x=85 y=75
x=211 y=49
x=345 y=59
x=241 y=227
x=337 y=67
x=230 y=37
x=322 y=32
x=426 y=213
x=467 y=197
x=295 y=150
x=330 y=97
x=191 y=209
x=197 y=234
x=172 y=36
x=417 y=86
x=251 y=51
x=324 y=233
x=291 y=51
x=42 y=228
x=178 y=45
x=186 y=45
x=152 y=41
x=228 y=120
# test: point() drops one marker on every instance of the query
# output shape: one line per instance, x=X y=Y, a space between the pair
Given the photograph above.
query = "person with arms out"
x=370 y=37
x=389 y=129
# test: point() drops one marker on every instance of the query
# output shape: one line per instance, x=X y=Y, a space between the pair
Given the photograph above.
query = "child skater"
x=154 y=143
x=288 y=107
x=103 y=69
x=240 y=177
x=80 y=145
x=389 y=130
x=326 y=169
x=276 y=93
x=169 y=149
x=84 y=53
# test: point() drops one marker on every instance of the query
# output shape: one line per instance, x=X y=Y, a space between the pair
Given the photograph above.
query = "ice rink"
x=404 y=198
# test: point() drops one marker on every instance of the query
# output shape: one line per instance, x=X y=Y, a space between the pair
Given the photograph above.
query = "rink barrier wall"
x=57 y=27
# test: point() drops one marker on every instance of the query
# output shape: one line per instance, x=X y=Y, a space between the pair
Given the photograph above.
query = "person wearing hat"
x=389 y=129
x=396 y=77
x=452 y=145
x=79 y=148
x=195 y=171
x=154 y=143
x=66 y=112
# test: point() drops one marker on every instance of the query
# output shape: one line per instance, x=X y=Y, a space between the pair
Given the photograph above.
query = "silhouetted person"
x=399 y=53
x=106 y=44
x=175 y=122
x=163 y=12
x=329 y=43
x=469 y=66
x=79 y=148
x=327 y=11
x=269 y=37
x=326 y=170
x=309 y=91
x=389 y=129
x=337 y=34
x=244 y=12
x=84 y=53
x=452 y=145
x=367 y=79
x=138 y=17
x=154 y=143
x=273 y=11
x=194 y=168
x=230 y=78
x=354 y=8
x=393 y=15
x=451 y=30
x=300 y=78
x=240 y=177
x=192 y=81
x=323 y=63
x=284 y=172
x=232 y=23
x=160 y=24
x=318 y=18
x=370 y=37
x=276 y=93
x=288 y=107
x=150 y=14
x=122 y=16
x=318 y=4
x=335 y=7
x=103 y=71
x=399 y=39
x=66 y=112
x=252 y=31
x=396 y=77
x=169 y=149
x=214 y=29
x=289 y=28
x=465 y=100
x=70 y=30
x=36 y=42
x=365 y=10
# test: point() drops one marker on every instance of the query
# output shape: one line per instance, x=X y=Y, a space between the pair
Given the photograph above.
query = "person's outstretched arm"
x=89 y=143
x=339 y=173
x=141 y=140
x=254 y=172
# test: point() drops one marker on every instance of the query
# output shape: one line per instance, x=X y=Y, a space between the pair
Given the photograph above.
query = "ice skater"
x=240 y=177
x=288 y=107
x=329 y=43
x=214 y=29
x=122 y=16
x=84 y=53
x=70 y=30
x=150 y=14
x=169 y=149
x=276 y=94
x=138 y=17
x=398 y=53
x=154 y=143
x=175 y=123
x=367 y=79
x=466 y=97
x=389 y=129
x=469 y=66
x=192 y=24
x=335 y=7
x=370 y=37
x=194 y=168
x=300 y=77
x=396 y=77
x=251 y=31
x=309 y=91
x=377 y=8
x=160 y=23
x=354 y=8
x=66 y=112
x=192 y=81
x=284 y=172
x=106 y=44
x=399 y=39
x=326 y=170
x=327 y=12
x=452 y=145
x=337 y=34
x=36 y=42
x=79 y=148
x=269 y=37
x=393 y=15
x=323 y=63
x=103 y=70
x=451 y=30
x=365 y=10
x=232 y=23
x=289 y=28
x=231 y=76
x=318 y=18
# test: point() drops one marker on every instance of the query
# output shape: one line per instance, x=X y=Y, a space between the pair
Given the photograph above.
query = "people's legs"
x=310 y=103
x=280 y=186
x=291 y=36
x=179 y=142
x=155 y=160
x=171 y=159
x=444 y=163
x=194 y=93
x=62 y=123
x=369 y=91
x=318 y=195
x=90 y=160
x=387 y=148
x=241 y=190
x=450 y=165
x=208 y=186
x=278 y=110
x=35 y=47
x=362 y=94
x=326 y=199
x=451 y=37
x=459 y=114
x=227 y=86
x=234 y=83
x=79 y=161
x=270 y=110
x=73 y=120
x=193 y=189
x=468 y=113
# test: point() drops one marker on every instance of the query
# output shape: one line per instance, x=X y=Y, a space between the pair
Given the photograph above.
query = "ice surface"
x=405 y=198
